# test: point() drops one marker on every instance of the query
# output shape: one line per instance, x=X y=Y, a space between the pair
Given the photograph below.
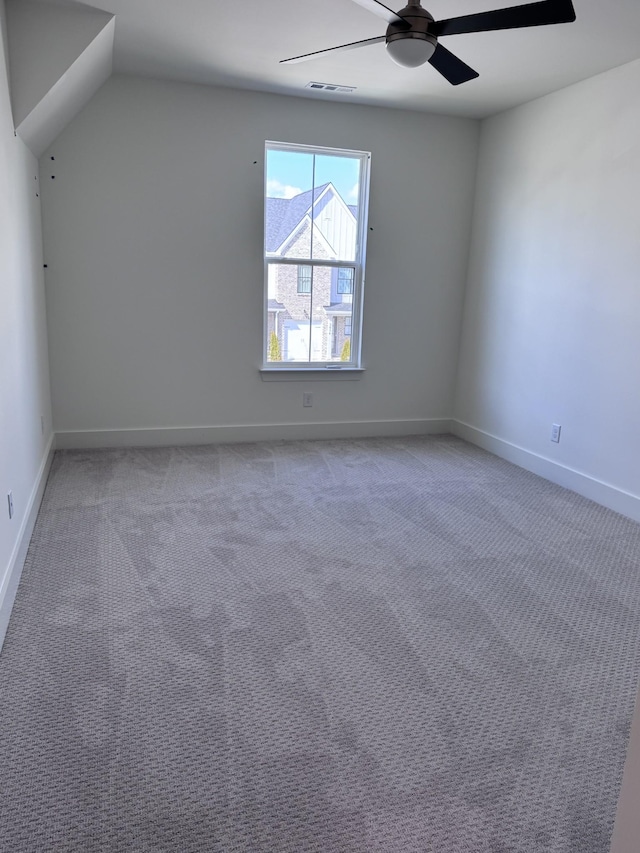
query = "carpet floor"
x=317 y=647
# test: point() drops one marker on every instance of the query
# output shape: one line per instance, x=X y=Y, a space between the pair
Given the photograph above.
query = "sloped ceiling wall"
x=59 y=56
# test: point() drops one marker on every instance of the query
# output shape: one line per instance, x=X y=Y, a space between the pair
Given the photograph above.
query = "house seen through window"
x=315 y=232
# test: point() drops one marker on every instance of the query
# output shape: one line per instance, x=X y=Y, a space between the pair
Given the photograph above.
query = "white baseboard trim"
x=176 y=436
x=11 y=579
x=589 y=487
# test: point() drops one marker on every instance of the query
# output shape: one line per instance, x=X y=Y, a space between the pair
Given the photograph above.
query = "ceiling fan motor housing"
x=413 y=45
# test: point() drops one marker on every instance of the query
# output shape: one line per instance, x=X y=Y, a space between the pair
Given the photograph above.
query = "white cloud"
x=353 y=193
x=276 y=189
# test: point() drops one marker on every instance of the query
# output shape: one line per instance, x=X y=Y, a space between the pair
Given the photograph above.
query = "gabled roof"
x=284 y=215
x=276 y=211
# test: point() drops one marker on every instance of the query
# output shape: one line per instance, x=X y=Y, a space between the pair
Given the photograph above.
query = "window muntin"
x=315 y=211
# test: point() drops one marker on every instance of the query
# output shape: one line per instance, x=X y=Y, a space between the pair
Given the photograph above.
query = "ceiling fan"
x=412 y=35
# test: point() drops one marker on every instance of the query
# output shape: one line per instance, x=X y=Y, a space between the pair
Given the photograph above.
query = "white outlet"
x=10 y=502
x=307 y=399
x=555 y=433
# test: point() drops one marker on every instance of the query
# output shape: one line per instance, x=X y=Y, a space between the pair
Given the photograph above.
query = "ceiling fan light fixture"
x=411 y=50
x=412 y=35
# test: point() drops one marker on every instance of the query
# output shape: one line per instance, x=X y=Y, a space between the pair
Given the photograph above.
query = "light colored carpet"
x=311 y=647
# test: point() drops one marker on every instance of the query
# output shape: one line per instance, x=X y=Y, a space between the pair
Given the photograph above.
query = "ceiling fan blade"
x=381 y=11
x=453 y=69
x=530 y=15
x=338 y=49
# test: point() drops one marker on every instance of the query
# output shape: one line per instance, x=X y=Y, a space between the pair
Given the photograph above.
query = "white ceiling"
x=239 y=44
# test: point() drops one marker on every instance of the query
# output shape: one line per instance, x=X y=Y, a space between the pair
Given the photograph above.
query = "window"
x=304 y=279
x=314 y=245
x=345 y=280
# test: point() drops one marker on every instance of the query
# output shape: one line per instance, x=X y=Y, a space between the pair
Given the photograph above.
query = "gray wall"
x=24 y=378
x=552 y=312
x=153 y=235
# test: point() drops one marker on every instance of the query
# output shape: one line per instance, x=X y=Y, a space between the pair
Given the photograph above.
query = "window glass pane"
x=288 y=197
x=337 y=181
x=307 y=327
x=311 y=205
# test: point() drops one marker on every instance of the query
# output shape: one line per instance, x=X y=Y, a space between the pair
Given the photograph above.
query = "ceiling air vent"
x=330 y=87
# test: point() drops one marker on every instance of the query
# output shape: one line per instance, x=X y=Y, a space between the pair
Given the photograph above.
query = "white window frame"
x=358 y=264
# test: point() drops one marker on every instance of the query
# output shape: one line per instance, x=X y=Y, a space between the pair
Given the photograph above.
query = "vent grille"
x=330 y=87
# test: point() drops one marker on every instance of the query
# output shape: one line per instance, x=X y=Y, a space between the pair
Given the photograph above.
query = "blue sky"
x=291 y=172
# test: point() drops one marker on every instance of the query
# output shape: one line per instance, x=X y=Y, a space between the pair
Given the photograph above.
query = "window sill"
x=300 y=374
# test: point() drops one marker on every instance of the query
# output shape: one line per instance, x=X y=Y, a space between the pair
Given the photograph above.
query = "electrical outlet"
x=555 y=433
x=307 y=399
x=10 y=502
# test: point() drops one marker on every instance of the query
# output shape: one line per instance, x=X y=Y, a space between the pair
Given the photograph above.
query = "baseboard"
x=9 y=585
x=589 y=487
x=176 y=436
